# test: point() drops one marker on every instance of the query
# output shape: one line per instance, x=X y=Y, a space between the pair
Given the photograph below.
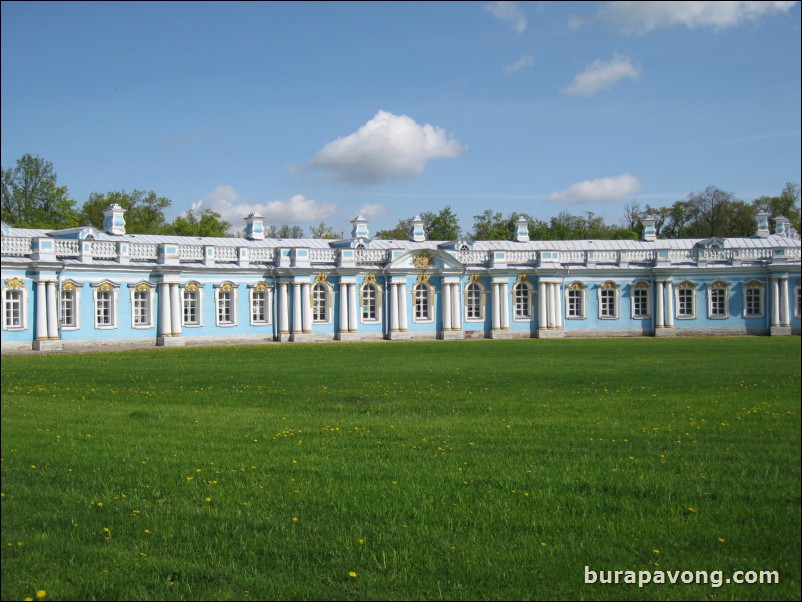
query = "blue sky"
x=312 y=112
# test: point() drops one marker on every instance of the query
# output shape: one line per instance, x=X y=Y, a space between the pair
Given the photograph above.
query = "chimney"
x=416 y=231
x=522 y=230
x=360 y=229
x=113 y=220
x=649 y=232
x=255 y=226
x=762 y=225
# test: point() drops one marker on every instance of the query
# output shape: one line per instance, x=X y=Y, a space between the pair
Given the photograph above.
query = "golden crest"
x=522 y=278
x=370 y=279
x=15 y=283
x=68 y=287
x=106 y=287
x=422 y=279
x=474 y=278
x=260 y=287
x=608 y=285
x=321 y=278
x=143 y=287
x=191 y=287
x=576 y=286
x=422 y=260
x=227 y=287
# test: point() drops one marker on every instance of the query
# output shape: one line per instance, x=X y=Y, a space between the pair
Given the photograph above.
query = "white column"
x=175 y=310
x=343 y=307
x=659 y=310
x=284 y=309
x=403 y=322
x=785 y=318
x=297 y=312
x=41 y=312
x=456 y=308
x=669 y=304
x=306 y=306
x=445 y=300
x=542 y=305
x=558 y=307
x=395 y=301
x=505 y=306
x=165 y=315
x=551 y=305
x=496 y=307
x=52 y=311
x=775 y=302
x=353 y=309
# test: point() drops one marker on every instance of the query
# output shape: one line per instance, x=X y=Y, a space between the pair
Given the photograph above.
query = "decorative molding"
x=192 y=287
x=143 y=287
x=423 y=279
x=106 y=287
x=260 y=287
x=369 y=279
x=15 y=283
x=227 y=287
x=321 y=278
x=68 y=287
x=422 y=260
x=521 y=278
x=474 y=278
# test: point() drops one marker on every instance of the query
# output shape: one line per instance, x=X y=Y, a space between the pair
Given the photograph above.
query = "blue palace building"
x=67 y=289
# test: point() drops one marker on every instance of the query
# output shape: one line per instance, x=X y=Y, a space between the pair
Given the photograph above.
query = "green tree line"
x=32 y=198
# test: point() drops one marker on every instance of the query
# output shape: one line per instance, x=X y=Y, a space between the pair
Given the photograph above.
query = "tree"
x=32 y=199
x=144 y=211
x=443 y=225
x=323 y=231
x=785 y=205
x=286 y=231
x=195 y=222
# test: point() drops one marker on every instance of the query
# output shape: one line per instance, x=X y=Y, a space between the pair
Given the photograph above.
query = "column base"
x=780 y=331
x=301 y=337
x=550 y=333
x=170 y=341
x=450 y=335
x=399 y=335
x=48 y=345
x=665 y=331
x=501 y=333
x=347 y=336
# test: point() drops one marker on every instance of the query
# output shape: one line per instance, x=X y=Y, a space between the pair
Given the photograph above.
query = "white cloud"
x=599 y=190
x=297 y=210
x=600 y=75
x=525 y=62
x=373 y=210
x=509 y=12
x=388 y=147
x=642 y=17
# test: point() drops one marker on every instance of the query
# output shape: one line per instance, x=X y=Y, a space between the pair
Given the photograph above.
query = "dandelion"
x=208 y=500
x=40 y=594
x=691 y=510
x=361 y=542
x=352 y=574
x=722 y=539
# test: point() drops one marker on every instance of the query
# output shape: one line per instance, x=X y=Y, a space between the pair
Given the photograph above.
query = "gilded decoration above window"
x=106 y=287
x=191 y=287
x=14 y=283
x=143 y=287
x=68 y=287
x=422 y=260
x=370 y=279
x=260 y=287
x=227 y=287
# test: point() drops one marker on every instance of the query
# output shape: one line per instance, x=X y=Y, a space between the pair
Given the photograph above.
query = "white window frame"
x=479 y=302
x=261 y=288
x=73 y=289
x=526 y=291
x=321 y=301
x=608 y=289
x=147 y=292
x=642 y=289
x=689 y=290
x=15 y=288
x=225 y=292
x=576 y=294
x=371 y=303
x=429 y=299
x=192 y=287
x=714 y=290
x=103 y=289
x=760 y=288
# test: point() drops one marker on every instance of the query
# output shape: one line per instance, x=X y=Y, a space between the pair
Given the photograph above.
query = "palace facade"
x=84 y=287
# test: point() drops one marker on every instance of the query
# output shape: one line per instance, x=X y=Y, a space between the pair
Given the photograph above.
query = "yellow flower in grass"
x=40 y=594
x=352 y=574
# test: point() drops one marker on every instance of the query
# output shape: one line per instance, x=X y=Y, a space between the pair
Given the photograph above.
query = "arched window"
x=370 y=303
x=473 y=302
x=191 y=301
x=320 y=303
x=261 y=304
x=522 y=295
x=423 y=306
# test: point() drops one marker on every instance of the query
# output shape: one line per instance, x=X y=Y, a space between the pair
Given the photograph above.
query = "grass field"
x=466 y=470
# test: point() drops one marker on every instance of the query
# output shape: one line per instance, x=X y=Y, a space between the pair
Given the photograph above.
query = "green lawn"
x=465 y=470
